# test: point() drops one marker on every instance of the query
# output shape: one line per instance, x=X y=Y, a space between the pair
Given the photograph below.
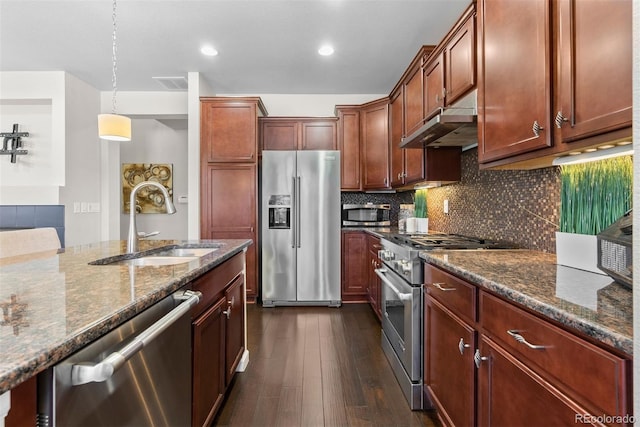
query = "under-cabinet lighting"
x=594 y=154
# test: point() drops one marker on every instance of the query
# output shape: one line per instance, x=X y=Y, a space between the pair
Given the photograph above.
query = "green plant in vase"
x=420 y=203
x=592 y=197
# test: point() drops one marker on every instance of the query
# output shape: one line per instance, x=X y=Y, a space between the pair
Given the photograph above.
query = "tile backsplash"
x=520 y=206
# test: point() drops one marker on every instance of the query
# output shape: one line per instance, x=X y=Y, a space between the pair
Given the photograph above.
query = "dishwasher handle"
x=97 y=372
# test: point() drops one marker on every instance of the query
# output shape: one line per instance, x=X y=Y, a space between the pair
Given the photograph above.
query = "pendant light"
x=114 y=127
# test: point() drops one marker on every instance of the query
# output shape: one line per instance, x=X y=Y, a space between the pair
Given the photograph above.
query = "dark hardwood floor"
x=317 y=366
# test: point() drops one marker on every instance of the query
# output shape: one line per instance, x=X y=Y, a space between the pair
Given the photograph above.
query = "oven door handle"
x=403 y=297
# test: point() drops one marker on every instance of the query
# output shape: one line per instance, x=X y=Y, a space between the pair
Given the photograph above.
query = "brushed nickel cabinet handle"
x=519 y=338
x=462 y=346
x=536 y=128
x=228 y=312
x=560 y=119
x=478 y=359
x=439 y=286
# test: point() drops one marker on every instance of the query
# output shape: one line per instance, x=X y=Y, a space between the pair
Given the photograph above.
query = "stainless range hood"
x=454 y=126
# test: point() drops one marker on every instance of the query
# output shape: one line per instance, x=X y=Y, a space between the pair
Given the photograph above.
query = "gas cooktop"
x=447 y=241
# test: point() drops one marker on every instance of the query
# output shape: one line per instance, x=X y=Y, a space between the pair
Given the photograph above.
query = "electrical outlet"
x=446 y=206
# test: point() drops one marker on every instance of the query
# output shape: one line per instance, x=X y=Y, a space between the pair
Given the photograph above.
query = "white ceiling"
x=266 y=46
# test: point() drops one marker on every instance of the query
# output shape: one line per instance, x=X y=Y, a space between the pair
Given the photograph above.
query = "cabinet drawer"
x=455 y=294
x=214 y=282
x=589 y=374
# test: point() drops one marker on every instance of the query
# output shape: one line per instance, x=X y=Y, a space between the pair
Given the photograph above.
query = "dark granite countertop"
x=56 y=303
x=590 y=303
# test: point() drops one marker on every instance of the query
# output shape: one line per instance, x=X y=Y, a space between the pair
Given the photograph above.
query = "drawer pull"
x=516 y=336
x=439 y=286
x=462 y=346
x=477 y=359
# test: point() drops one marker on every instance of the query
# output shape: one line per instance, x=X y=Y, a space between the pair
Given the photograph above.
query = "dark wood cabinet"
x=349 y=146
x=448 y=364
x=229 y=211
x=374 y=131
x=24 y=404
x=296 y=133
x=460 y=59
x=355 y=266
x=514 y=85
x=228 y=174
x=433 y=77
x=229 y=129
x=490 y=362
x=576 y=84
x=375 y=284
x=234 y=331
x=208 y=363
x=594 y=67
x=218 y=336
x=396 y=132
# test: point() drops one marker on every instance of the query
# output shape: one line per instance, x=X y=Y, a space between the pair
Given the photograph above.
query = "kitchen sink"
x=184 y=252
x=157 y=260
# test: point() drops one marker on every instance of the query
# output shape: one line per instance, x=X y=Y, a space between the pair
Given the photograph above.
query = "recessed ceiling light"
x=209 y=51
x=325 y=50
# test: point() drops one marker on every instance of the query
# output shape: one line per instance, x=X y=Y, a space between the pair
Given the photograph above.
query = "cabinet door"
x=318 y=135
x=396 y=131
x=594 y=40
x=448 y=364
x=413 y=100
x=229 y=211
x=434 y=85
x=510 y=394
x=355 y=267
x=228 y=131
x=234 y=338
x=208 y=363
x=349 y=146
x=460 y=62
x=514 y=80
x=279 y=134
x=375 y=145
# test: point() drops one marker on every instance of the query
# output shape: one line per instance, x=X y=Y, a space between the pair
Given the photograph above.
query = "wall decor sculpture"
x=12 y=143
x=149 y=199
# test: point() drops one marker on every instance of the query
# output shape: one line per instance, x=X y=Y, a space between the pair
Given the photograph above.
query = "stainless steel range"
x=402 y=311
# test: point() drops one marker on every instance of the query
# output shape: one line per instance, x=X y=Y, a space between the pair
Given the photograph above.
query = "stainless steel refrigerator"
x=300 y=228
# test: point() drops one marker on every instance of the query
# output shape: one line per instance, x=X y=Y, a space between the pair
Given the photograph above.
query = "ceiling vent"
x=172 y=83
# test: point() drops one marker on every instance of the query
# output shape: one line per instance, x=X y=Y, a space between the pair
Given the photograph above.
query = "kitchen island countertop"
x=55 y=303
x=590 y=303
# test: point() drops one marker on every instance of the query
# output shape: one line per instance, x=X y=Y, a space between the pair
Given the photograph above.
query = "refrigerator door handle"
x=297 y=213
x=294 y=208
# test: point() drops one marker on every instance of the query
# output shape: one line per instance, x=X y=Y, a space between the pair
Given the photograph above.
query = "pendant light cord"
x=113 y=76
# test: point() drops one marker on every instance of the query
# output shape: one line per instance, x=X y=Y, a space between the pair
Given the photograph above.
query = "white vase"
x=422 y=225
x=577 y=251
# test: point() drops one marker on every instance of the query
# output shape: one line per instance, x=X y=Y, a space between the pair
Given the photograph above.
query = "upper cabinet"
x=229 y=129
x=349 y=146
x=572 y=60
x=290 y=133
x=374 y=131
x=450 y=72
x=593 y=67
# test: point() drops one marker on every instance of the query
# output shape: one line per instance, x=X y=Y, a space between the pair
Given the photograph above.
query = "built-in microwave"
x=366 y=215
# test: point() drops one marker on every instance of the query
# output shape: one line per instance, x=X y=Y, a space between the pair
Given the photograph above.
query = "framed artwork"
x=148 y=199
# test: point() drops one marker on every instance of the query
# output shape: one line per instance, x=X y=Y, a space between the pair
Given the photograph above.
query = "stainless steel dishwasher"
x=136 y=375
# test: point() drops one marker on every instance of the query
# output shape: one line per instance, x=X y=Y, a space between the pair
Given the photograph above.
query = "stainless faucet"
x=132 y=240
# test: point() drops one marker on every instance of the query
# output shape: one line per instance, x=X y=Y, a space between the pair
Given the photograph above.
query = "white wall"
x=154 y=142
x=36 y=101
x=82 y=153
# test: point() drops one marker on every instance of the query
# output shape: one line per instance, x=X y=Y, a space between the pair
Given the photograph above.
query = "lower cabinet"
x=375 y=284
x=489 y=362
x=218 y=336
x=355 y=266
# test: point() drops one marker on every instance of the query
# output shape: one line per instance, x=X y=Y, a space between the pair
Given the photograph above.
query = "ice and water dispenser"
x=280 y=211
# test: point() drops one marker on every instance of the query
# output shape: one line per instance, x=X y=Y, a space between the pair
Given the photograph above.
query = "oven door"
x=401 y=320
